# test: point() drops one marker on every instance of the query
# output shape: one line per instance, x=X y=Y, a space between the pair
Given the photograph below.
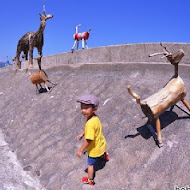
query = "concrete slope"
x=41 y=129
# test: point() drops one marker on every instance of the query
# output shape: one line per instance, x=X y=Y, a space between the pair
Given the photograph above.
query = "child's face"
x=88 y=110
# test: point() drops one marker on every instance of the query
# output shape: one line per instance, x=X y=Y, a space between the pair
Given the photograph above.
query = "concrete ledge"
x=119 y=53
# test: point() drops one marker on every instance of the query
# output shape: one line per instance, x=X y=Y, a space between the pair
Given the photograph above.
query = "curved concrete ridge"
x=42 y=129
x=120 y=53
x=101 y=64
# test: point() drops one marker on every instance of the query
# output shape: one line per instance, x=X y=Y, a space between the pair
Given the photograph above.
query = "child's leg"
x=89 y=179
x=90 y=172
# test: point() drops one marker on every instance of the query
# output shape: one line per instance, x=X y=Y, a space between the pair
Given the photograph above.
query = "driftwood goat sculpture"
x=173 y=92
x=41 y=77
x=30 y=40
x=80 y=36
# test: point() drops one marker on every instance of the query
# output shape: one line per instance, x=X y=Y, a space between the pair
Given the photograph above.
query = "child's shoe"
x=105 y=156
x=85 y=180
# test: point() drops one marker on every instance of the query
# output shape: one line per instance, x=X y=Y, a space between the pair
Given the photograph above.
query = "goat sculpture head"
x=174 y=58
x=44 y=17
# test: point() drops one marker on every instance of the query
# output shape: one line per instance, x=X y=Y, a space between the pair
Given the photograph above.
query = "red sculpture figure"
x=80 y=36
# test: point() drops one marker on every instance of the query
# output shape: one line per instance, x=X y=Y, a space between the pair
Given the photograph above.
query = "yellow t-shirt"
x=93 y=132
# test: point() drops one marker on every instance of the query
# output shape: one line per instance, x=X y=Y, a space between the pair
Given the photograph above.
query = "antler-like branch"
x=165 y=49
x=165 y=52
x=44 y=10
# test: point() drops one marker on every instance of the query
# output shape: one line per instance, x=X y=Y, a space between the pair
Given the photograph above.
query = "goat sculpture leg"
x=51 y=82
x=46 y=87
x=158 y=130
x=39 y=60
x=25 y=55
x=186 y=104
x=85 y=43
x=18 y=65
x=30 y=66
x=37 y=89
x=77 y=45
x=39 y=64
x=74 y=45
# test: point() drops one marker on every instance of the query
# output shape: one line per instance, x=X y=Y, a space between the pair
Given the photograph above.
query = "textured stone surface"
x=42 y=129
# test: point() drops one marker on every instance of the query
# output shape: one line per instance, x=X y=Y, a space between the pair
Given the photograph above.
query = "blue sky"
x=113 y=22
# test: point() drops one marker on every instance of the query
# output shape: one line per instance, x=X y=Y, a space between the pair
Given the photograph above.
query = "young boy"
x=94 y=141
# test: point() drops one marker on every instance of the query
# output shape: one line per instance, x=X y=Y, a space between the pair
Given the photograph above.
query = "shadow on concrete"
x=166 y=119
x=99 y=164
x=184 y=112
x=44 y=90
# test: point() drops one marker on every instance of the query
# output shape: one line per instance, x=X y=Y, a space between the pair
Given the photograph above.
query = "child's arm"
x=83 y=147
x=79 y=137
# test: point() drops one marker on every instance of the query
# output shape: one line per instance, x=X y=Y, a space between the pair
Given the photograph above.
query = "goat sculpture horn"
x=165 y=52
x=44 y=9
x=154 y=54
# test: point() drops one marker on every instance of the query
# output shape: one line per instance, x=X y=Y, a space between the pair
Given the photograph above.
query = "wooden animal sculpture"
x=80 y=36
x=41 y=77
x=31 y=40
x=173 y=92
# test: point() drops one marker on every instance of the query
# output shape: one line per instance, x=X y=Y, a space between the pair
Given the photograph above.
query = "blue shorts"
x=92 y=160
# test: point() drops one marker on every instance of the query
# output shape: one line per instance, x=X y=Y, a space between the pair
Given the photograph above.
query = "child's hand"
x=79 y=154
x=79 y=137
